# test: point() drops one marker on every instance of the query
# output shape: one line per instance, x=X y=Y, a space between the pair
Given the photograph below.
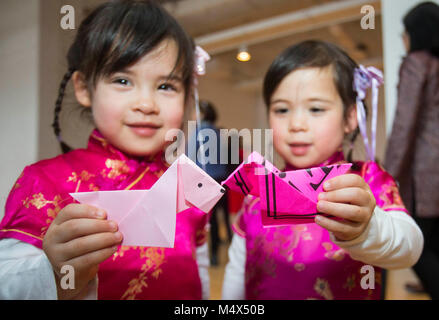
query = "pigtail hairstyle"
x=116 y=35
x=58 y=104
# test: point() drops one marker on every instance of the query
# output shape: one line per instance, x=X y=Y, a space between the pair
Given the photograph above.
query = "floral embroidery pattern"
x=350 y=283
x=267 y=267
x=17 y=184
x=299 y=267
x=83 y=176
x=390 y=196
x=115 y=168
x=93 y=187
x=154 y=258
x=287 y=244
x=307 y=236
x=37 y=200
x=120 y=252
x=336 y=255
x=52 y=213
x=322 y=288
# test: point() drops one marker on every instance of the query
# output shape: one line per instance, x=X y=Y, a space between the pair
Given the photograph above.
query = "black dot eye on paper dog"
x=200 y=185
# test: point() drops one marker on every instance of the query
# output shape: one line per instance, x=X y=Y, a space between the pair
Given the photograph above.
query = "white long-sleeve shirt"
x=26 y=273
x=392 y=240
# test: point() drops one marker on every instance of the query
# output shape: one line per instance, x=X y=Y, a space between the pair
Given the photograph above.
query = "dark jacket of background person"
x=217 y=170
x=412 y=155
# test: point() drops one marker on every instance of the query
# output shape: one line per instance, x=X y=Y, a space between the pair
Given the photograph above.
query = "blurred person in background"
x=217 y=171
x=413 y=146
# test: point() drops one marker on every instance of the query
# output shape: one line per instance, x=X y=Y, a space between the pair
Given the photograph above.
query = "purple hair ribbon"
x=364 y=78
x=201 y=57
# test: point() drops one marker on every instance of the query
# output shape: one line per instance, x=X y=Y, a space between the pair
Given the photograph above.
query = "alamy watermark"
x=368 y=280
x=228 y=147
x=368 y=19
x=68 y=19
x=67 y=282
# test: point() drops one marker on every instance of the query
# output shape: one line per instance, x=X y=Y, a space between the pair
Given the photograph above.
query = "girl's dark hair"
x=116 y=35
x=422 y=25
x=315 y=54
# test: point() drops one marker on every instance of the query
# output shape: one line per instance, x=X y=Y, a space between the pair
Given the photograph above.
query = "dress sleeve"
x=383 y=187
x=392 y=240
x=234 y=278
x=412 y=79
x=25 y=272
x=32 y=204
x=202 y=254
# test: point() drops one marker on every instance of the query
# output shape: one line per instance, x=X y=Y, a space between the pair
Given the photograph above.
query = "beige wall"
x=19 y=52
x=55 y=43
x=33 y=47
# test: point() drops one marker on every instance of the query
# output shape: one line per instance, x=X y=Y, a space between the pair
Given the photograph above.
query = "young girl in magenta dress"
x=132 y=65
x=311 y=103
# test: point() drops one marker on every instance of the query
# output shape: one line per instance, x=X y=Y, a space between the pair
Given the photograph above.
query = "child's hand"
x=350 y=198
x=80 y=236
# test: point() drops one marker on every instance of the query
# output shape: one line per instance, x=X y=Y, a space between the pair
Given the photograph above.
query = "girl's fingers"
x=345 y=228
x=352 y=195
x=76 y=228
x=344 y=181
x=91 y=259
x=77 y=211
x=85 y=245
x=343 y=210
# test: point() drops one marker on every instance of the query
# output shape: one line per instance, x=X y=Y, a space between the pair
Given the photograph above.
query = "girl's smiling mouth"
x=299 y=148
x=144 y=129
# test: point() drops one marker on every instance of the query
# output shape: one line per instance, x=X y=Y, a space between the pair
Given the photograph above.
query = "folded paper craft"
x=148 y=217
x=286 y=197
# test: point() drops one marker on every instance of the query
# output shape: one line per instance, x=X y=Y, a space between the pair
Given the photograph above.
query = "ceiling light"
x=243 y=54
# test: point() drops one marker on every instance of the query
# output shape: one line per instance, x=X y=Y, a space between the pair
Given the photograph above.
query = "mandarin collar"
x=98 y=143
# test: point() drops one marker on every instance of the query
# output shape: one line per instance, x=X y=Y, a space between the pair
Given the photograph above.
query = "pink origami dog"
x=148 y=217
x=286 y=197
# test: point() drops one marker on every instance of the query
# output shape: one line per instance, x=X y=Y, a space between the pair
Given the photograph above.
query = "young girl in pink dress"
x=311 y=100
x=132 y=65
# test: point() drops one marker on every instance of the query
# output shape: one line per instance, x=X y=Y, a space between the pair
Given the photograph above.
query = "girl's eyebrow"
x=279 y=100
x=171 y=77
x=126 y=71
x=317 y=99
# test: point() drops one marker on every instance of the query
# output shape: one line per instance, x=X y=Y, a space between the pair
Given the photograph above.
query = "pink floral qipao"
x=43 y=190
x=300 y=261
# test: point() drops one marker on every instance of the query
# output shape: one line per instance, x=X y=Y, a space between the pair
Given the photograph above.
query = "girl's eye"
x=316 y=110
x=122 y=81
x=280 y=110
x=167 y=87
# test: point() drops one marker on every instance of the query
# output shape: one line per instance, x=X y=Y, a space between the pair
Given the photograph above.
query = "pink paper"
x=286 y=197
x=148 y=217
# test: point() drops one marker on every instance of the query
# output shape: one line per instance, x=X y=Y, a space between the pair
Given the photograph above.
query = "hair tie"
x=201 y=57
x=365 y=78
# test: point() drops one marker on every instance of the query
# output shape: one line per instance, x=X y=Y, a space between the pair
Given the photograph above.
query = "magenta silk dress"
x=42 y=190
x=300 y=261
